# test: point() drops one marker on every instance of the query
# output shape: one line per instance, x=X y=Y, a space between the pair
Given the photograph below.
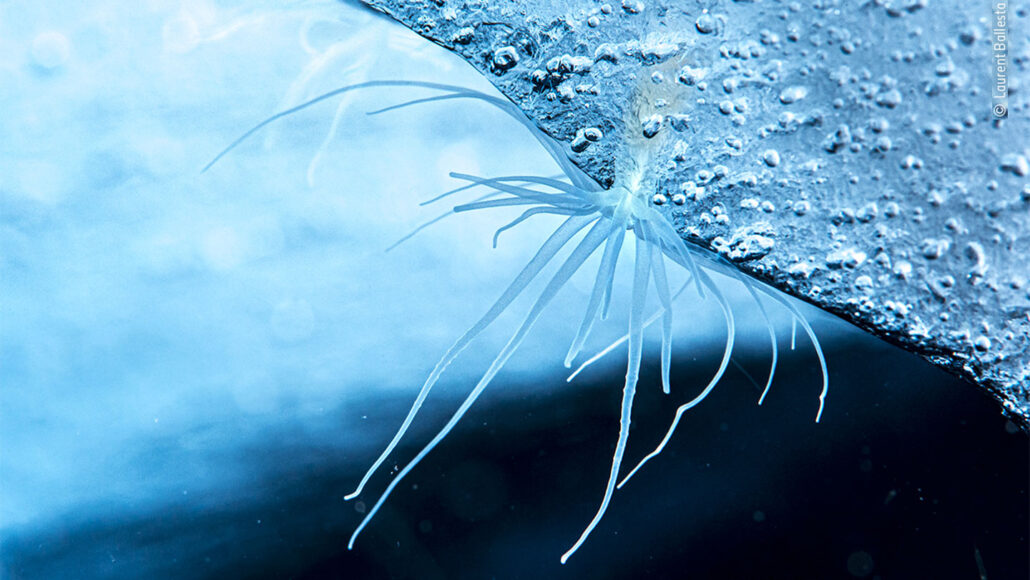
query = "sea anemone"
x=594 y=217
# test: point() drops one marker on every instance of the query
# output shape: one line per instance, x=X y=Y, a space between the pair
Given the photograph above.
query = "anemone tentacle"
x=678 y=249
x=503 y=202
x=641 y=276
x=572 y=196
x=544 y=255
x=586 y=247
x=619 y=342
x=449 y=193
x=661 y=284
x=793 y=331
x=772 y=342
x=605 y=273
x=536 y=211
x=438 y=218
x=727 y=351
x=491 y=195
x=799 y=318
x=553 y=149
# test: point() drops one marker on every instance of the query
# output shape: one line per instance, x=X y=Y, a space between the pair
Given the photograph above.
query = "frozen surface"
x=846 y=152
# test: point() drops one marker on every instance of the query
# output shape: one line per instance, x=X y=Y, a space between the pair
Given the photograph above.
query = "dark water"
x=911 y=474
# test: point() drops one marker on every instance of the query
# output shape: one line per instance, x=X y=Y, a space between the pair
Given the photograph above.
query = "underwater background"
x=195 y=368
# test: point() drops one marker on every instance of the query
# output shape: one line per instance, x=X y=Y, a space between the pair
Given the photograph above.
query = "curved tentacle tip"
x=819 y=413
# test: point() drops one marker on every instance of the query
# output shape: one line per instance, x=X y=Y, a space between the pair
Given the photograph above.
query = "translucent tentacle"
x=604 y=278
x=547 y=251
x=548 y=181
x=641 y=277
x=468 y=186
x=618 y=221
x=418 y=229
x=449 y=193
x=730 y=336
x=553 y=149
x=329 y=136
x=796 y=318
x=750 y=286
x=421 y=101
x=532 y=212
x=772 y=334
x=744 y=372
x=321 y=60
x=607 y=350
x=586 y=247
x=503 y=202
x=323 y=97
x=552 y=183
x=654 y=318
x=800 y=318
x=493 y=194
x=665 y=232
x=575 y=174
x=440 y=217
x=661 y=284
x=523 y=192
